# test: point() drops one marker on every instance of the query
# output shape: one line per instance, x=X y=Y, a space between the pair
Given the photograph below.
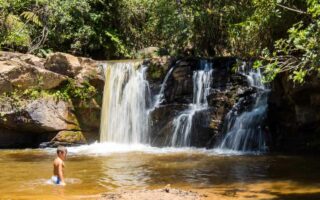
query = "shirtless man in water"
x=58 y=166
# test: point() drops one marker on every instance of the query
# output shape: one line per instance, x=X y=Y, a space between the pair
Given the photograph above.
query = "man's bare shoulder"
x=57 y=161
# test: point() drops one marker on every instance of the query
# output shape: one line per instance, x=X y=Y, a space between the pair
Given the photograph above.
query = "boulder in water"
x=39 y=116
x=66 y=138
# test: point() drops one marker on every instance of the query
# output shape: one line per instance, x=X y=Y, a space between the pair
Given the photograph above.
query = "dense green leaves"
x=299 y=53
x=283 y=35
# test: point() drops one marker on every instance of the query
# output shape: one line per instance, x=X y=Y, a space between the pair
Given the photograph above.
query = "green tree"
x=299 y=53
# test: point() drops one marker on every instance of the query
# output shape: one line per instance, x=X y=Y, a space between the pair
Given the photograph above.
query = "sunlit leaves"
x=32 y=17
x=314 y=8
x=17 y=33
x=117 y=42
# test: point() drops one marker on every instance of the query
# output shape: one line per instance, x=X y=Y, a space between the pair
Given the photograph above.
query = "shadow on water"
x=311 y=196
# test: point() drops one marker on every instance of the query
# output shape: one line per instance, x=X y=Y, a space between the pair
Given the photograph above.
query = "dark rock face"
x=157 y=70
x=226 y=89
x=294 y=114
x=179 y=88
x=161 y=123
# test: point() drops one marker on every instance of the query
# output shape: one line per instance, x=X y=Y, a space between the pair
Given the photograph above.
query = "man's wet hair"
x=61 y=149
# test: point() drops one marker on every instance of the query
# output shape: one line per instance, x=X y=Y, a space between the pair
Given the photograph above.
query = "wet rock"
x=157 y=68
x=69 y=137
x=65 y=138
x=294 y=114
x=161 y=123
x=203 y=130
x=227 y=89
x=88 y=115
x=180 y=85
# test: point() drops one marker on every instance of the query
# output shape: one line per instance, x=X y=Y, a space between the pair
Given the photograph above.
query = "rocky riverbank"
x=55 y=100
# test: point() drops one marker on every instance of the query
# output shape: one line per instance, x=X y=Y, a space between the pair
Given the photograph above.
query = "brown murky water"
x=91 y=170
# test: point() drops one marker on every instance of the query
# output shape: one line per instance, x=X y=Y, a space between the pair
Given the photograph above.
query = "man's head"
x=62 y=152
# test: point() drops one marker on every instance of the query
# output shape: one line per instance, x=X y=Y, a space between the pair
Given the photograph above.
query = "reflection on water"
x=26 y=172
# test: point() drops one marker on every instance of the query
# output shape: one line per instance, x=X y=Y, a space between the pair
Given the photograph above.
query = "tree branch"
x=292 y=9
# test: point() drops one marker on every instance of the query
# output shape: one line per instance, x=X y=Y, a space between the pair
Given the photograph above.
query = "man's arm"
x=60 y=173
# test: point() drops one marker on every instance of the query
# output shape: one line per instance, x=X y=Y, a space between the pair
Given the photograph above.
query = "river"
x=98 y=168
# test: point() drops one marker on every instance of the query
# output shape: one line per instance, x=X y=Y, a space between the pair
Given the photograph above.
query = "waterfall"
x=126 y=98
x=246 y=132
x=159 y=98
x=127 y=104
x=183 y=124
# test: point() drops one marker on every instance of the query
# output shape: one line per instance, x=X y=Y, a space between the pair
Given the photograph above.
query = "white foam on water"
x=109 y=148
x=230 y=152
x=43 y=181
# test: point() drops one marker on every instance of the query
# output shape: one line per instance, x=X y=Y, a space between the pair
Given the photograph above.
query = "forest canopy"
x=282 y=35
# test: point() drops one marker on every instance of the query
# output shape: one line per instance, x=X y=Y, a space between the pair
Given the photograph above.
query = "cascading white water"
x=183 y=124
x=125 y=100
x=160 y=97
x=245 y=132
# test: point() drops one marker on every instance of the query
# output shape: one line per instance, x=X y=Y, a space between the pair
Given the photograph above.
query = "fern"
x=32 y=17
